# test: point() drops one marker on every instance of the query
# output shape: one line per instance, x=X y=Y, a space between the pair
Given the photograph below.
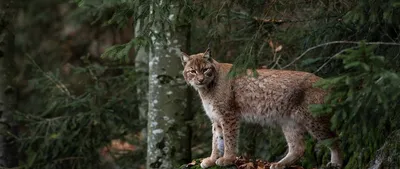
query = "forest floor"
x=240 y=163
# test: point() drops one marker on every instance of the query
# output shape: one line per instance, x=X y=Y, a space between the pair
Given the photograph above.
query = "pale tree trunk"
x=142 y=68
x=8 y=99
x=168 y=136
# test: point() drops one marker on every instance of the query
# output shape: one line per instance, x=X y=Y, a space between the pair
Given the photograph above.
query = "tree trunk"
x=8 y=99
x=142 y=88
x=142 y=68
x=168 y=136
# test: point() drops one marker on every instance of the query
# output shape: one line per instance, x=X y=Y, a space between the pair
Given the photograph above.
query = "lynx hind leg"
x=319 y=128
x=294 y=137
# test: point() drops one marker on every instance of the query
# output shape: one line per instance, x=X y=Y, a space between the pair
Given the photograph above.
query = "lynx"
x=277 y=97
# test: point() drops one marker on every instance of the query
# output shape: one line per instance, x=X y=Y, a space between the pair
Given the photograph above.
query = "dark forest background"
x=97 y=83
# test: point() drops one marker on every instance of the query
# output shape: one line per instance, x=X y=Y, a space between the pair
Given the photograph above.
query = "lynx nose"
x=200 y=79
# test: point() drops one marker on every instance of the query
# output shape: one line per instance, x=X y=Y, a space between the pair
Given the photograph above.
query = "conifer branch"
x=55 y=161
x=276 y=61
x=58 y=84
x=330 y=58
x=274 y=21
x=68 y=159
x=335 y=55
x=52 y=119
x=281 y=21
x=340 y=42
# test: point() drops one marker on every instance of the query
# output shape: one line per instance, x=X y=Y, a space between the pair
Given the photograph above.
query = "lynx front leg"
x=230 y=127
x=294 y=138
x=210 y=161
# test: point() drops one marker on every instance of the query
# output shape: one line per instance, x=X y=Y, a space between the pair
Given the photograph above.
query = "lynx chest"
x=209 y=108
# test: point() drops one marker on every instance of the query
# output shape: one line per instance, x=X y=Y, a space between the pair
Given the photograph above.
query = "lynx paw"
x=277 y=166
x=333 y=165
x=207 y=162
x=224 y=161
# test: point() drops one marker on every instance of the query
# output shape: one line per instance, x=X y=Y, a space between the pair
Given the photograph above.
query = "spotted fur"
x=278 y=97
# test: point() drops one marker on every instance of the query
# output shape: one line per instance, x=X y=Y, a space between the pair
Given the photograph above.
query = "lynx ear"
x=207 y=54
x=184 y=58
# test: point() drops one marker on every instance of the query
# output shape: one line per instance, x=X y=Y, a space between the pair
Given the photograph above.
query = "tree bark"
x=168 y=136
x=8 y=94
x=142 y=68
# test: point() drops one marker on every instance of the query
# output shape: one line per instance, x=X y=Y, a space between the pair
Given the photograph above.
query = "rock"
x=388 y=156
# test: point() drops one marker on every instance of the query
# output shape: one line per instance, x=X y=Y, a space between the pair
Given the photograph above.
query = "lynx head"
x=199 y=69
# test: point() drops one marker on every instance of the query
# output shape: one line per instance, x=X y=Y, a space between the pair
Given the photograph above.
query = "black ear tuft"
x=207 y=54
x=184 y=58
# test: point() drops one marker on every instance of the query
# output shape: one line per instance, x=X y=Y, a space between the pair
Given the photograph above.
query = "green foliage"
x=68 y=131
x=119 y=52
x=363 y=100
x=68 y=122
x=373 y=12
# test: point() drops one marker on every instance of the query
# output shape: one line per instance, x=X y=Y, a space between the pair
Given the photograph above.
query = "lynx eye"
x=207 y=72
x=192 y=71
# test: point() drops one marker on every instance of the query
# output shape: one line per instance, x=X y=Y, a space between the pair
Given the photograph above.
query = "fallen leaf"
x=279 y=48
x=248 y=165
x=193 y=163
